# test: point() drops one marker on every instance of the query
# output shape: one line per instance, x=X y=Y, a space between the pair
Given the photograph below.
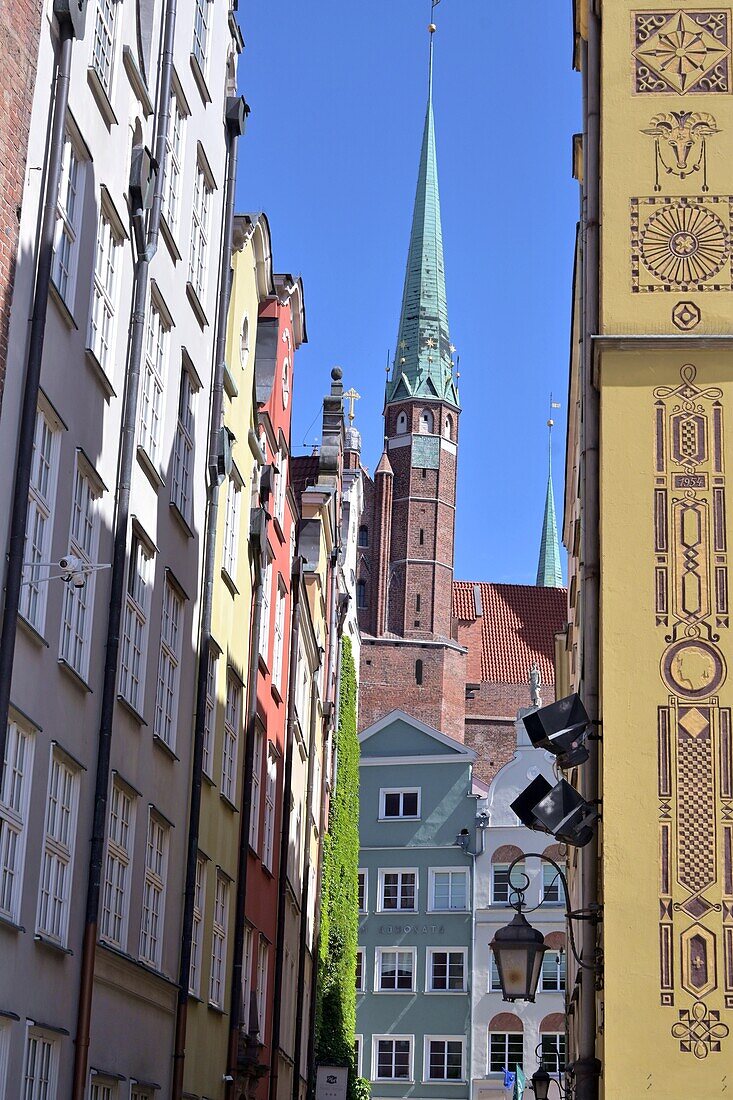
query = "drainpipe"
x=19 y=508
x=587 y=1067
x=119 y=552
x=295 y=590
x=234 y=118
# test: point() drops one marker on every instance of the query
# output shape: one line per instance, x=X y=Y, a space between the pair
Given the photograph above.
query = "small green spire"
x=549 y=567
x=423 y=362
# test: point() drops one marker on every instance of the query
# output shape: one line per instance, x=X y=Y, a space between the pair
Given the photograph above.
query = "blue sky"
x=337 y=92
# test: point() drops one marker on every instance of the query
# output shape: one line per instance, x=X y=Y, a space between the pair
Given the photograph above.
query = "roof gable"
x=400 y=735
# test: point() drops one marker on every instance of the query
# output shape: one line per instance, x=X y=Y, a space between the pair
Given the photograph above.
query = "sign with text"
x=331 y=1082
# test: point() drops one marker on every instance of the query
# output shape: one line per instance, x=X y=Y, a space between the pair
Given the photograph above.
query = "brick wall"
x=20 y=22
x=490 y=723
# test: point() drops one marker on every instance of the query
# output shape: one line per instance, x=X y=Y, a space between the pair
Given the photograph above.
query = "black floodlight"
x=519 y=950
x=558 y=810
x=560 y=728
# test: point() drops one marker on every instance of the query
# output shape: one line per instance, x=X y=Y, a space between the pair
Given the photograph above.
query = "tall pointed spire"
x=423 y=365
x=549 y=567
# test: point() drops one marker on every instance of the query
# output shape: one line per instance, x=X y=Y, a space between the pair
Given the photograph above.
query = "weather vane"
x=352 y=396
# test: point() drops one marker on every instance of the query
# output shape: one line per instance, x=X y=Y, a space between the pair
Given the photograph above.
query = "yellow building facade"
x=650 y=445
x=224 y=749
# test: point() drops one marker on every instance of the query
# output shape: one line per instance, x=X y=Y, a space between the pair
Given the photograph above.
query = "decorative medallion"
x=686 y=316
x=694 y=669
x=680 y=145
x=699 y=1030
x=682 y=51
x=680 y=244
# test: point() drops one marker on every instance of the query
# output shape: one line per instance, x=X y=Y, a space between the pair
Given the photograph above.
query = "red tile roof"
x=519 y=622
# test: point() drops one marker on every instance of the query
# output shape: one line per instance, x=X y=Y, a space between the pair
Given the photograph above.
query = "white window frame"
x=281 y=482
x=184 y=446
x=451 y=871
x=207 y=762
x=559 y=978
x=506 y=1035
x=153 y=372
x=69 y=208
x=219 y=932
x=264 y=640
x=197 y=928
x=59 y=846
x=42 y=1044
x=203 y=201
x=115 y=909
x=268 y=835
x=136 y=622
x=494 y=978
x=358 y=1054
x=279 y=636
x=232 y=726
x=363 y=889
x=201 y=34
x=173 y=612
x=15 y=796
x=102 y=1088
x=376 y=1040
x=263 y=964
x=286 y=383
x=497 y=889
x=104 y=44
x=152 y=920
x=559 y=1038
x=247 y=944
x=400 y=871
x=401 y=791
x=174 y=161
x=428 y=1039
x=258 y=752
x=360 y=974
x=232 y=521
x=77 y=615
x=379 y=955
x=430 y=974
x=38 y=543
x=108 y=257
x=551 y=882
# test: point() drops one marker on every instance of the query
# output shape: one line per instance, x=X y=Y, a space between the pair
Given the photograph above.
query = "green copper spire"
x=549 y=568
x=422 y=364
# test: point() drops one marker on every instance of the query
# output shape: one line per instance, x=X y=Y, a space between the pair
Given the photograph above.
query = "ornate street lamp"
x=541 y=1084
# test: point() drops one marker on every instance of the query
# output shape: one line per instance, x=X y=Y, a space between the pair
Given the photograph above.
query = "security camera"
x=70 y=564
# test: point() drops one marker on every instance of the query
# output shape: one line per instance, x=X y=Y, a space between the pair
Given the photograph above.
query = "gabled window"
x=506 y=1051
x=39 y=524
x=68 y=222
x=448 y=891
x=501 y=889
x=553 y=972
x=171 y=204
x=57 y=860
x=397 y=803
x=392 y=1059
x=210 y=714
x=219 y=942
x=105 y=282
x=362 y=891
x=232 y=723
x=447 y=970
x=203 y=192
x=136 y=623
x=395 y=970
x=360 y=970
x=279 y=642
x=152 y=381
x=102 y=1088
x=103 y=44
x=398 y=890
x=230 y=551
x=15 y=796
x=183 y=449
x=255 y=806
x=171 y=640
x=118 y=865
x=201 y=31
x=197 y=928
x=268 y=848
x=443 y=1058
x=78 y=609
x=40 y=1065
x=154 y=887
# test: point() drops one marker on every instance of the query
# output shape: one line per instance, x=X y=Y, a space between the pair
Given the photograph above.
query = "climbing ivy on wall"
x=336 y=988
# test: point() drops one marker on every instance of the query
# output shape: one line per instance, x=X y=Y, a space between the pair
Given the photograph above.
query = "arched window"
x=244 y=343
x=363 y=536
x=427 y=422
x=361 y=600
x=552 y=978
x=501 y=889
x=552 y=1041
x=401 y=423
x=506 y=1042
x=286 y=383
x=448 y=427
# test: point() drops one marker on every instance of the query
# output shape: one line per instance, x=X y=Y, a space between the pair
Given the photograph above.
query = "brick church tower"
x=410 y=657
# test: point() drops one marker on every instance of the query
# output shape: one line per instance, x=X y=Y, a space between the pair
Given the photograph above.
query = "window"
x=399 y=803
x=166 y=695
x=57 y=860
x=362 y=891
x=210 y=713
x=14 y=803
x=262 y=960
x=361 y=596
x=494 y=979
x=246 y=1014
x=279 y=645
x=4 y=1053
x=265 y=620
x=398 y=890
x=551 y=886
x=152 y=375
x=181 y=482
x=446 y=971
x=219 y=942
x=286 y=383
x=39 y=524
x=553 y=972
x=244 y=343
x=363 y=536
x=77 y=616
x=281 y=481
x=201 y=25
x=173 y=164
x=360 y=970
x=443 y=1059
x=107 y=257
x=254 y=810
x=68 y=222
x=102 y=1089
x=135 y=624
x=232 y=723
x=230 y=550
x=500 y=886
x=117 y=866
x=427 y=422
x=395 y=970
x=268 y=848
x=553 y=1052
x=448 y=890
x=156 y=860
x=200 y=220
x=358 y=1044
x=303 y=692
x=103 y=46
x=197 y=928
x=401 y=423
x=40 y=1068
x=393 y=1058
x=422 y=543
x=418 y=672
x=506 y=1050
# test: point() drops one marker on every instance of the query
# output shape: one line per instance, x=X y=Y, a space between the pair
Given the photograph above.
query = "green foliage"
x=336 y=992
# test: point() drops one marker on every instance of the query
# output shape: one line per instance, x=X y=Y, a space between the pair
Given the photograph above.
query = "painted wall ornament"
x=680 y=145
x=687 y=52
x=686 y=316
x=681 y=244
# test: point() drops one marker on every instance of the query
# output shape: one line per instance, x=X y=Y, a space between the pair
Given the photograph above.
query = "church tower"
x=406 y=575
